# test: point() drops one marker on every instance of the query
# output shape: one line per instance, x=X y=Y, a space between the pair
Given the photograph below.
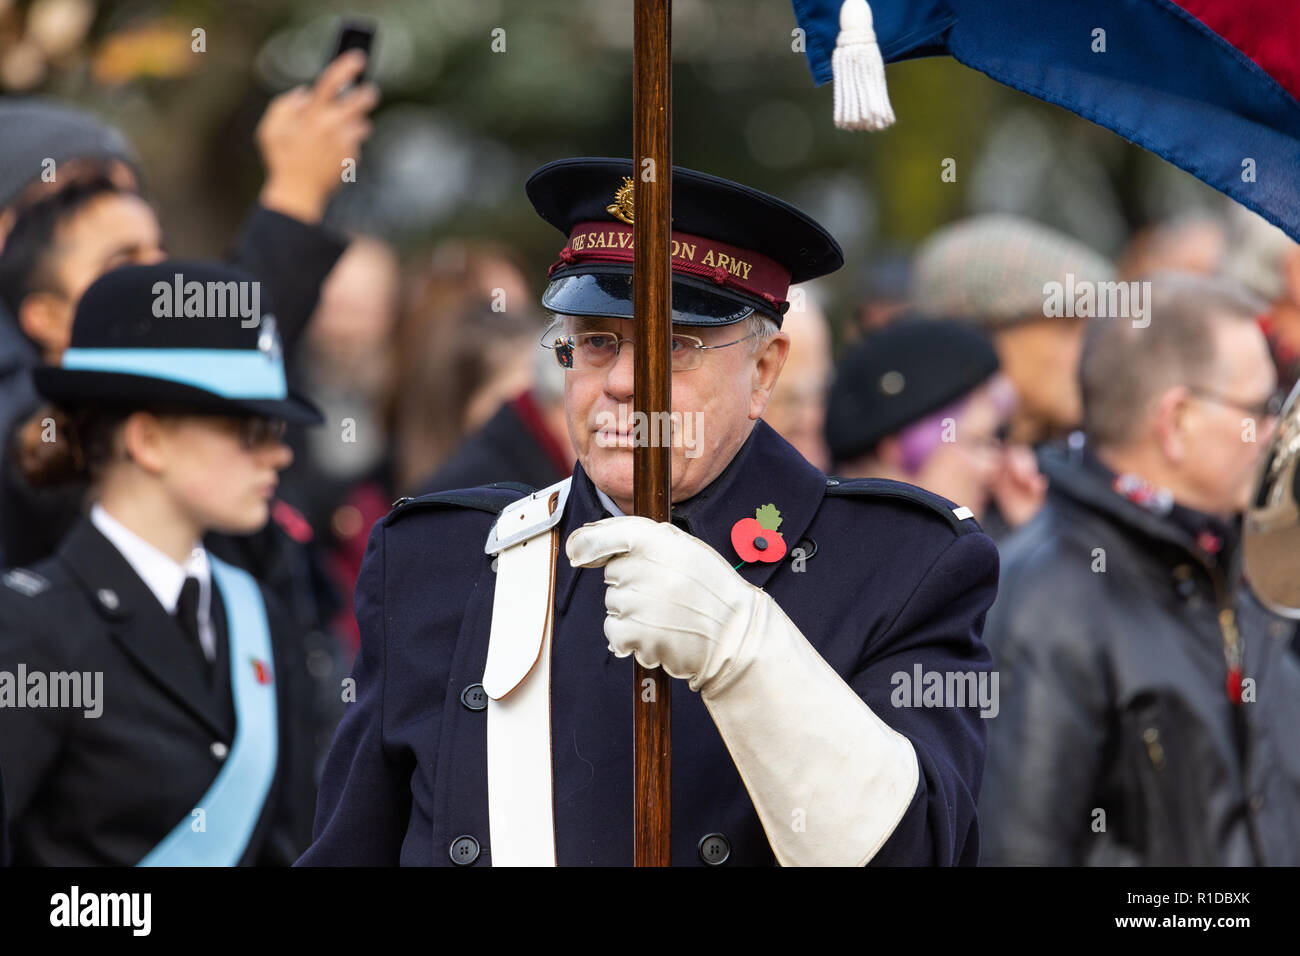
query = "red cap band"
x=729 y=266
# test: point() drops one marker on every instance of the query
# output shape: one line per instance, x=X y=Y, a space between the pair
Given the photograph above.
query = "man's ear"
x=1169 y=424
x=767 y=369
x=145 y=440
x=47 y=321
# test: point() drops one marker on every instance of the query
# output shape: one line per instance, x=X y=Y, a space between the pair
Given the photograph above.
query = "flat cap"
x=990 y=270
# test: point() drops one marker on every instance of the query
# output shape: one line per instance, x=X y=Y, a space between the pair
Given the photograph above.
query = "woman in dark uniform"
x=151 y=704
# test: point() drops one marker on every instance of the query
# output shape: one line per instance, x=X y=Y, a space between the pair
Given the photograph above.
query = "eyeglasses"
x=585 y=351
x=1271 y=407
x=255 y=431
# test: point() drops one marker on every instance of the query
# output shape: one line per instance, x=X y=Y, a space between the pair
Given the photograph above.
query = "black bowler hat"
x=735 y=250
x=194 y=334
x=909 y=369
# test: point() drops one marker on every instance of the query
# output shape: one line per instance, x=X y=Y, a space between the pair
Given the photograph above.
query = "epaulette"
x=960 y=519
x=25 y=582
x=487 y=498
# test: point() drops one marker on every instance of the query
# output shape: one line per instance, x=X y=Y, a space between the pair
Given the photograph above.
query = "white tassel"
x=861 y=97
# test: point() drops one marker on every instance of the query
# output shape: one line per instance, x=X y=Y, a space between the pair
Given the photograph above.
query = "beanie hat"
x=36 y=130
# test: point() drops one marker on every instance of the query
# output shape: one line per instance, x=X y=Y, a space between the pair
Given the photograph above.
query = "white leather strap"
x=523 y=519
x=517 y=680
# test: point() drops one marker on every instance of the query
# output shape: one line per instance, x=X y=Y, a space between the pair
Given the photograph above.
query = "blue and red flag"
x=1212 y=86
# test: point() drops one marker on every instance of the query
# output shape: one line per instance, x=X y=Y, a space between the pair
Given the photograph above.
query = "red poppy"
x=753 y=542
x=261 y=671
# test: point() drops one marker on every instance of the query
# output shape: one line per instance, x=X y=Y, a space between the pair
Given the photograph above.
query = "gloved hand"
x=671 y=600
x=829 y=779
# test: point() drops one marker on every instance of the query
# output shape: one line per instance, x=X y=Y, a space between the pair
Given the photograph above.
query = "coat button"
x=108 y=598
x=464 y=850
x=219 y=750
x=807 y=546
x=474 y=697
x=1184 y=582
x=714 y=849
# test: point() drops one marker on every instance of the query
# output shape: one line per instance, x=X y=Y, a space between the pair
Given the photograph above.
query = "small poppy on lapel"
x=261 y=671
x=756 y=538
x=1209 y=542
x=1234 y=685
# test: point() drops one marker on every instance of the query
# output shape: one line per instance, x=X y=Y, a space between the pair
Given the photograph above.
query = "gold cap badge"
x=621 y=207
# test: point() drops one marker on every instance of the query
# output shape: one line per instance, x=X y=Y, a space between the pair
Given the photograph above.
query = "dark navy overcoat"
x=890 y=579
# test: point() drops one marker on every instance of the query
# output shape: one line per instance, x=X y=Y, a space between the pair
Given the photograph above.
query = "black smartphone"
x=355 y=35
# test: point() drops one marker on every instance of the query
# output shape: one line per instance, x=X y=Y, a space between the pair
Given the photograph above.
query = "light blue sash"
x=234 y=802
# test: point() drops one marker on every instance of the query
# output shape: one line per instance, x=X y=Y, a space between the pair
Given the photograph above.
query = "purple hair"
x=918 y=441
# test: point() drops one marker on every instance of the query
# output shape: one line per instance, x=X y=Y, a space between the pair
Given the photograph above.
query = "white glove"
x=829 y=779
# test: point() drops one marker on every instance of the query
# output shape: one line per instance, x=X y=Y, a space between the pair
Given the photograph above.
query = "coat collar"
x=1072 y=478
x=766 y=470
x=139 y=624
x=162 y=575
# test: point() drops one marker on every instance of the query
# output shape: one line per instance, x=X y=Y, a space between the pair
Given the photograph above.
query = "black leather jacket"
x=1116 y=741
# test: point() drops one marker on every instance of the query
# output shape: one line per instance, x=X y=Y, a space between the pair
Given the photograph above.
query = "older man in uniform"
x=817 y=623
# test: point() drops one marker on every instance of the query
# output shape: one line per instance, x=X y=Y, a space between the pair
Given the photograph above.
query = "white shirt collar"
x=162 y=575
x=608 y=502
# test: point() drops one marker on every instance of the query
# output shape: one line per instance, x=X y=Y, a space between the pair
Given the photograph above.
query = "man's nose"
x=620 y=378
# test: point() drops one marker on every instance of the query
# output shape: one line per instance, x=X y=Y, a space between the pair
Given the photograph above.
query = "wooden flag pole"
x=652 y=317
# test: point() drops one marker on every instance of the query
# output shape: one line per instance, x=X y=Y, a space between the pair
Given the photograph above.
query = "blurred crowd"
x=1148 y=701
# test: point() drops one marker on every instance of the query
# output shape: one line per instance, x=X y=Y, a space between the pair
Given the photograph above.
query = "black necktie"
x=187 y=615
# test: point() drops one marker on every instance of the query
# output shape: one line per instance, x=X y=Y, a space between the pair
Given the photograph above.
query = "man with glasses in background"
x=492 y=722
x=1149 y=702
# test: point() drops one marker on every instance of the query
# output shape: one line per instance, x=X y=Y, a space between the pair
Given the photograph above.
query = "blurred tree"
x=478 y=93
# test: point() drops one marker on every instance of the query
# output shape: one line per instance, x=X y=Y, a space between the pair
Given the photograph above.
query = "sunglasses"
x=255 y=431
